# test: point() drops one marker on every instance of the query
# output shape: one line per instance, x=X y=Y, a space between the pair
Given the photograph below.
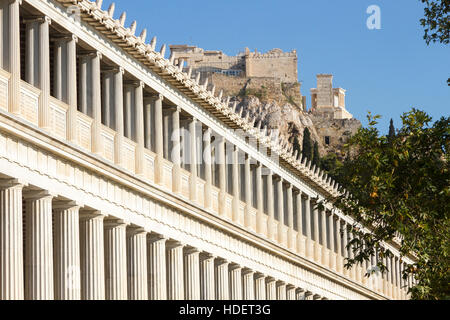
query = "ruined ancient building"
x=273 y=64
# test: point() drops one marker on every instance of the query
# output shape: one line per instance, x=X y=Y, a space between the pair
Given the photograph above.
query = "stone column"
x=344 y=247
x=139 y=127
x=14 y=56
x=118 y=116
x=166 y=132
x=236 y=185
x=248 y=284
x=148 y=122
x=83 y=82
x=315 y=219
x=308 y=295
x=271 y=290
x=157 y=267
x=280 y=208
x=259 y=199
x=44 y=73
x=58 y=79
x=39 y=247
x=106 y=98
x=192 y=274
x=11 y=241
x=270 y=206
x=323 y=216
x=127 y=109
x=248 y=191
x=115 y=260
x=309 y=252
x=92 y=257
x=235 y=282
x=208 y=168
x=137 y=264
x=193 y=160
x=31 y=46
x=96 y=104
x=159 y=139
x=207 y=276
x=72 y=89
x=260 y=287
x=221 y=276
x=176 y=151
x=222 y=175
x=351 y=256
x=317 y=297
x=300 y=294
x=175 y=282
x=290 y=209
x=338 y=246
x=290 y=292
x=67 y=269
x=281 y=290
x=300 y=247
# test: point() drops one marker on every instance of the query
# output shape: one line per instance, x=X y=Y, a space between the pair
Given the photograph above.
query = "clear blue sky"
x=386 y=71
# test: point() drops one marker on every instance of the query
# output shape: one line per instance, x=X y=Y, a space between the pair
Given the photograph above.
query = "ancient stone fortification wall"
x=275 y=64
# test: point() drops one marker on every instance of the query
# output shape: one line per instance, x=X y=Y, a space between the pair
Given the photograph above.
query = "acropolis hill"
x=266 y=87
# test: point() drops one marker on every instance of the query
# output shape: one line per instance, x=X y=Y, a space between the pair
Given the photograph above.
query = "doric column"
x=176 y=150
x=315 y=219
x=83 y=81
x=44 y=73
x=67 y=251
x=166 y=132
x=222 y=175
x=39 y=247
x=300 y=248
x=248 y=284
x=338 y=246
x=192 y=274
x=207 y=284
x=148 y=122
x=290 y=292
x=271 y=289
x=309 y=252
x=127 y=109
x=157 y=267
x=280 y=208
x=115 y=260
x=351 y=256
x=221 y=276
x=31 y=53
x=96 y=103
x=259 y=199
x=208 y=168
x=139 y=127
x=248 y=191
x=11 y=241
x=92 y=257
x=281 y=290
x=290 y=212
x=175 y=282
x=72 y=89
x=137 y=264
x=58 y=79
x=193 y=159
x=260 y=286
x=235 y=282
x=118 y=116
x=323 y=216
x=332 y=261
x=270 y=206
x=106 y=97
x=236 y=186
x=159 y=139
x=300 y=294
x=14 y=55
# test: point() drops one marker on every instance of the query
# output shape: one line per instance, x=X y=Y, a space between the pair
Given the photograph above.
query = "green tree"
x=316 y=155
x=307 y=146
x=401 y=189
x=437 y=22
x=391 y=134
x=296 y=145
x=331 y=164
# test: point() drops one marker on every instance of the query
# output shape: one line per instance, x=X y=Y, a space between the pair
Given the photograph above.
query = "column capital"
x=317 y=297
x=157 y=96
x=38 y=194
x=270 y=279
x=191 y=250
x=206 y=255
x=281 y=283
x=221 y=261
x=11 y=183
x=299 y=290
x=93 y=54
x=153 y=237
x=66 y=37
x=290 y=287
x=135 y=230
x=259 y=275
x=41 y=19
x=247 y=271
x=66 y=205
x=173 y=244
x=235 y=266
x=111 y=222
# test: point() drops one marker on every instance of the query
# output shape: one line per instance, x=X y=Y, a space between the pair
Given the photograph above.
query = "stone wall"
x=275 y=64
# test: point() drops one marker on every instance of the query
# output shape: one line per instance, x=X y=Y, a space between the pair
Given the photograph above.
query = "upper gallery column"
x=300 y=244
x=259 y=199
x=270 y=206
x=309 y=248
x=323 y=216
x=44 y=73
x=67 y=251
x=192 y=274
x=248 y=191
x=92 y=256
x=290 y=212
x=337 y=231
x=236 y=186
x=208 y=168
x=159 y=139
x=118 y=115
x=72 y=88
x=11 y=240
x=96 y=103
x=315 y=219
x=176 y=150
x=139 y=127
x=332 y=260
x=115 y=260
x=280 y=207
x=137 y=264
x=193 y=159
x=14 y=55
x=39 y=246
x=222 y=175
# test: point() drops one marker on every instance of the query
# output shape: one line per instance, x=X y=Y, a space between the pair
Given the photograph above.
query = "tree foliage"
x=400 y=190
x=316 y=155
x=307 y=146
x=391 y=134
